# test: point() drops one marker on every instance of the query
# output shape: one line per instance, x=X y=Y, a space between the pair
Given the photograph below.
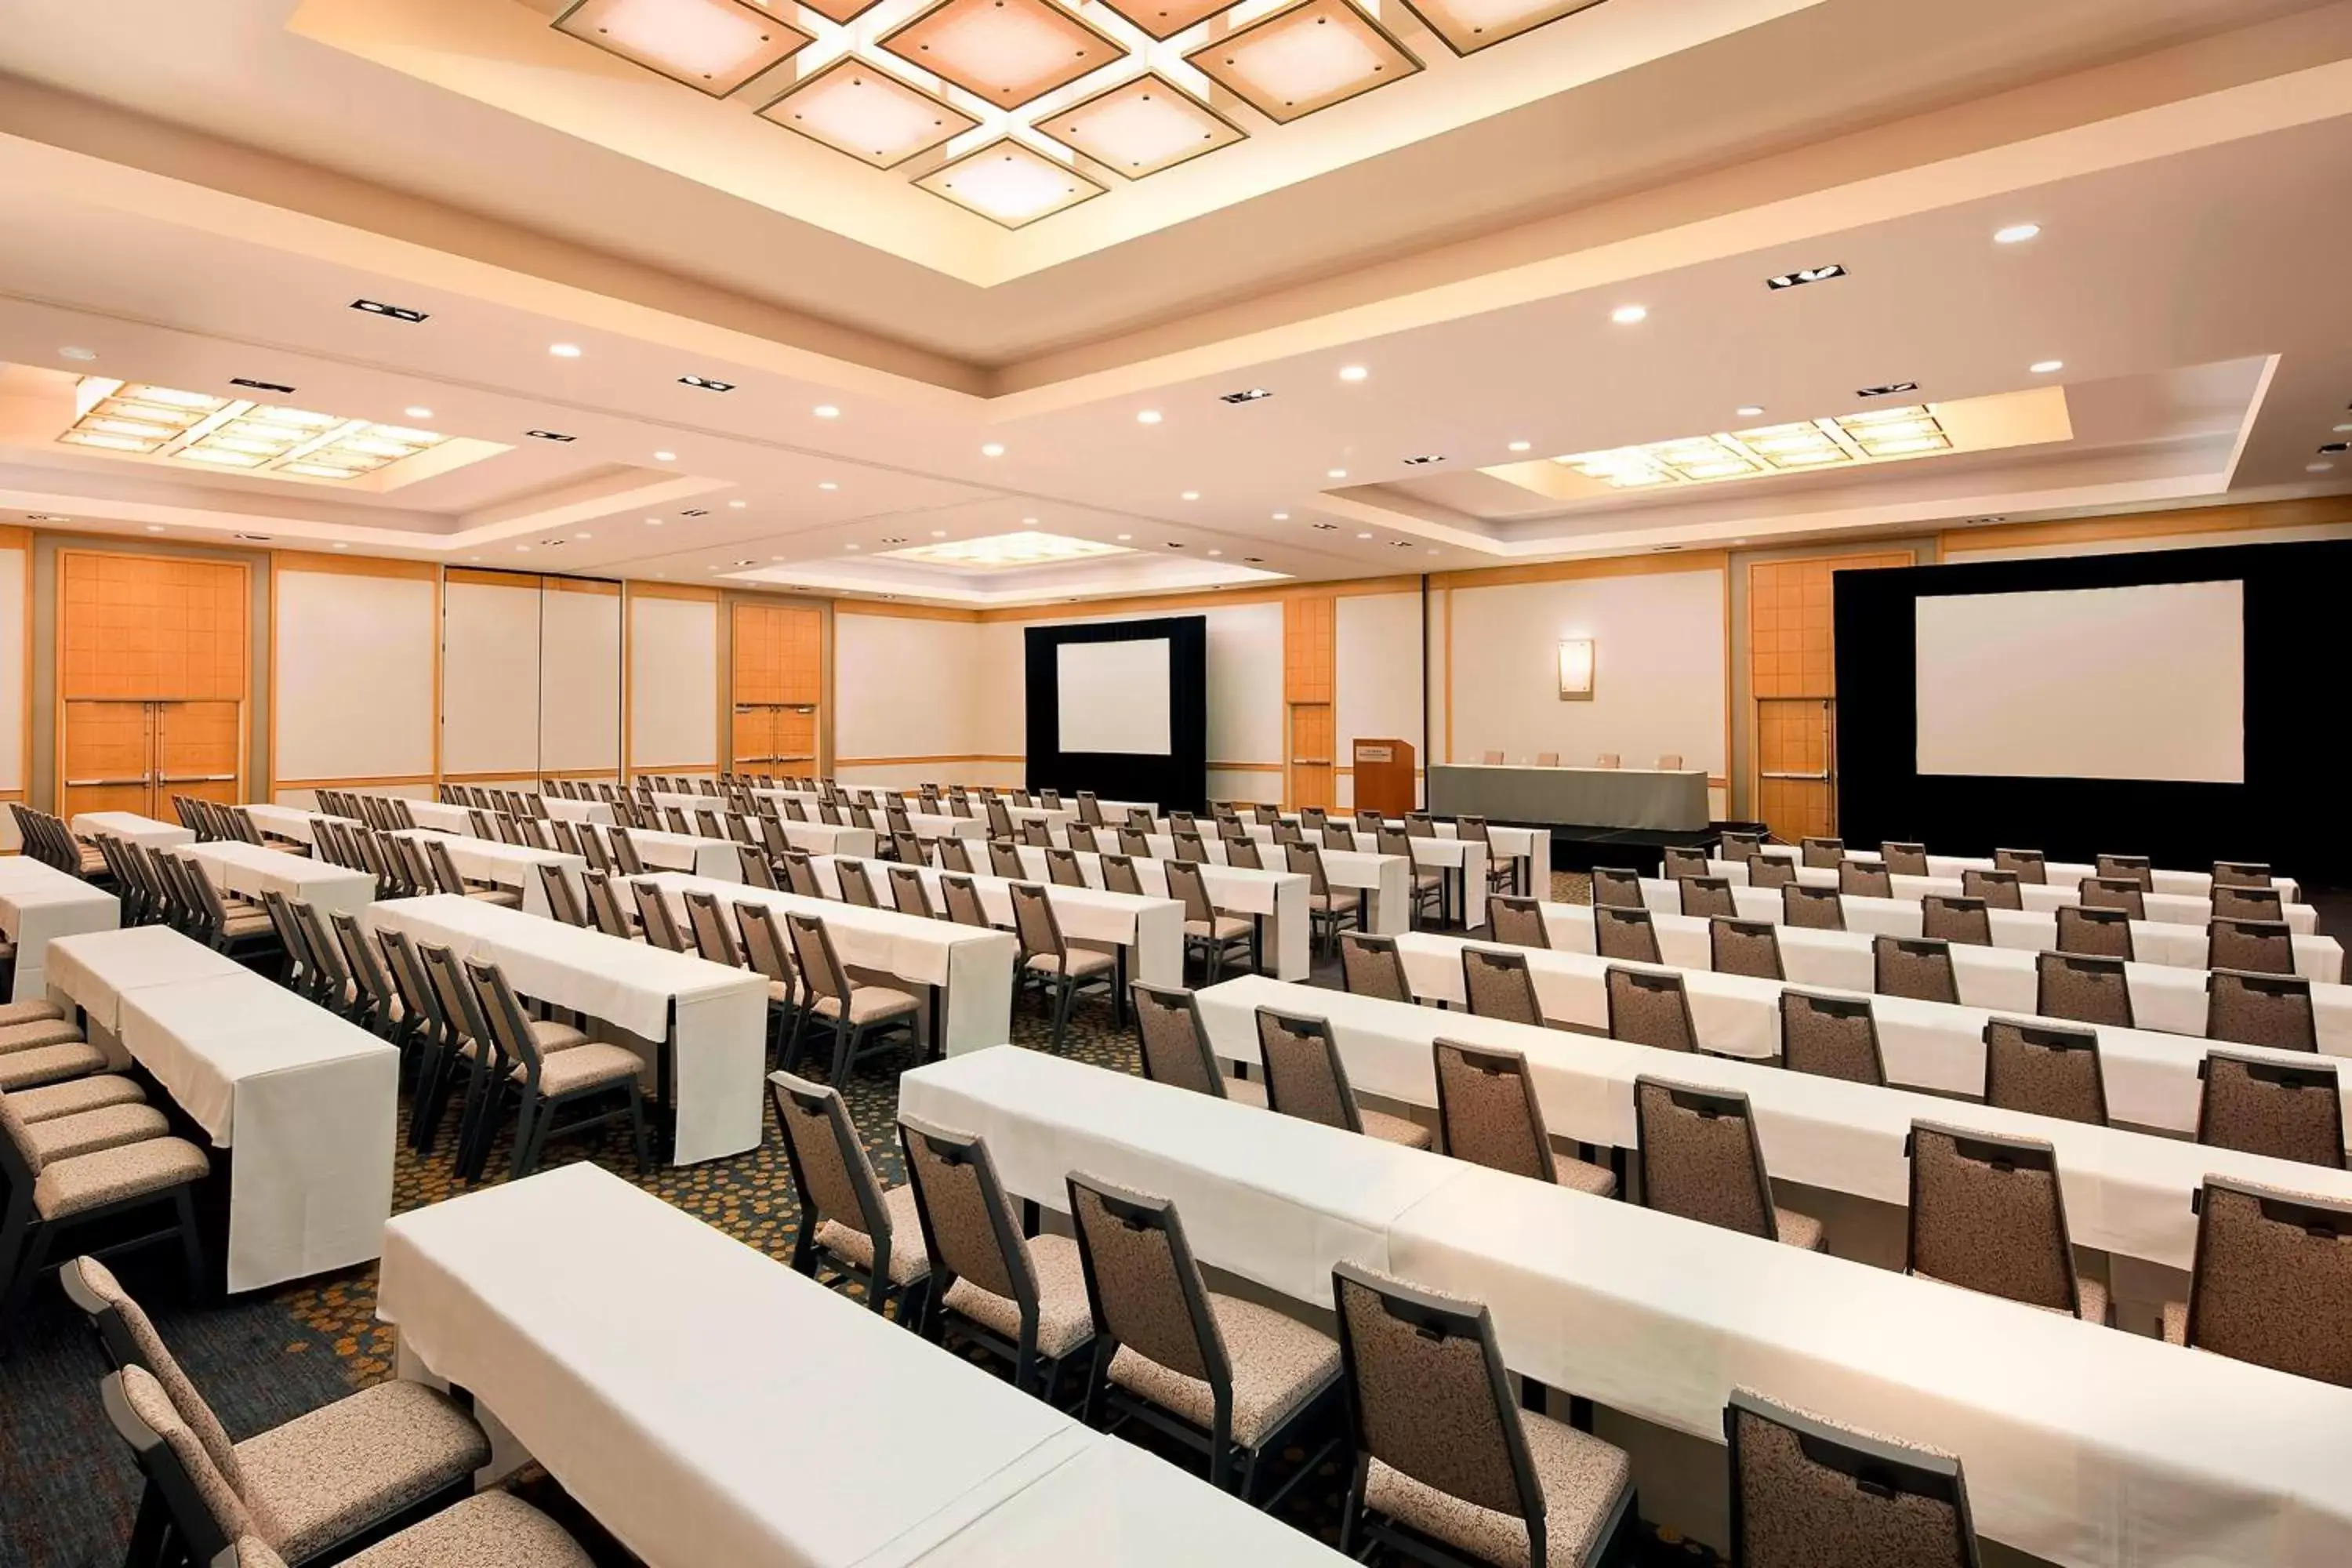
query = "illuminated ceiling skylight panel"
x=711 y=46
x=1163 y=19
x=1010 y=183
x=1466 y=26
x=1003 y=551
x=220 y=432
x=1141 y=126
x=861 y=110
x=1008 y=52
x=1304 y=59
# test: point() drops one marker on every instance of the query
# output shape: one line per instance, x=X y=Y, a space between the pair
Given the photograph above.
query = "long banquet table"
x=1383 y=883
x=38 y=904
x=704 y=1024
x=1463 y=862
x=1276 y=901
x=249 y=870
x=291 y=821
x=304 y=1101
x=2038 y=898
x=708 y=1405
x=504 y=864
x=2085 y=1446
x=1652 y=799
x=1528 y=848
x=131 y=825
x=2055 y=873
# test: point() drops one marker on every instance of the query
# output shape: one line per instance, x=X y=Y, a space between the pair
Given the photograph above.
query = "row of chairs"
x=1667 y=762
x=48 y=839
x=1910 y=860
x=1445 y=1461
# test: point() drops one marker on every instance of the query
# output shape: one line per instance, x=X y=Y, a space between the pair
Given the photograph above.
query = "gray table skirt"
x=1573 y=798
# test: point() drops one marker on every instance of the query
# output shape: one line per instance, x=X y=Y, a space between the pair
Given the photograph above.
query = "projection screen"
x=1114 y=697
x=2144 y=682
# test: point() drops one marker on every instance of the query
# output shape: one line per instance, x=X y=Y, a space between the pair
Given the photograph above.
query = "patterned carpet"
x=67 y=1487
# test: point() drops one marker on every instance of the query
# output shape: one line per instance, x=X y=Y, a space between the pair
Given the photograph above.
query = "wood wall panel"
x=1792 y=681
x=146 y=628
x=1310 y=683
x=777 y=685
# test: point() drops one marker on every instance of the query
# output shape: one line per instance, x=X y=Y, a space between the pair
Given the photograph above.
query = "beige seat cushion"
x=1247 y=1090
x=1585 y=1176
x=1084 y=962
x=1395 y=1129
x=1799 y=1230
x=505 y=896
x=254 y=922
x=550 y=1035
x=909 y=1261
x=493 y=1529
x=2176 y=1322
x=584 y=1067
x=1064 y=1320
x=1224 y=928
x=47 y=1064
x=324 y=1476
x=40 y=1032
x=778 y=991
x=89 y=1132
x=93 y=1093
x=868 y=1005
x=1279 y=1363
x=1582 y=1478
x=91 y=1181
x=35 y=1012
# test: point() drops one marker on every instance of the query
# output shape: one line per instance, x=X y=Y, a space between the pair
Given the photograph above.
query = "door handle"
x=101 y=784
x=1818 y=778
x=194 y=778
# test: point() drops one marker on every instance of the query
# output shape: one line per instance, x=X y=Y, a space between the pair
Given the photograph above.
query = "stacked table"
x=2082 y=1445
x=146 y=830
x=38 y=904
x=249 y=870
x=503 y=865
x=304 y=1101
x=704 y=1024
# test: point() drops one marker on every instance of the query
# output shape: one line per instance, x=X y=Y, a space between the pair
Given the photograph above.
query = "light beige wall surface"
x=580 y=681
x=354 y=665
x=673 y=683
x=490 y=676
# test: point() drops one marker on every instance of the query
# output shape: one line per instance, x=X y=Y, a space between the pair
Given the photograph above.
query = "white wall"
x=490 y=677
x=673 y=684
x=904 y=688
x=1659 y=682
x=1378 y=658
x=352 y=676
x=14 y=639
x=579 y=680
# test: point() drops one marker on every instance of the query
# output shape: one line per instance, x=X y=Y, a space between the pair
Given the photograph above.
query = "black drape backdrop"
x=1181 y=779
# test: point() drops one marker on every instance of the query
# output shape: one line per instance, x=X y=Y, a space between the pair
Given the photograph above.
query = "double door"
x=133 y=755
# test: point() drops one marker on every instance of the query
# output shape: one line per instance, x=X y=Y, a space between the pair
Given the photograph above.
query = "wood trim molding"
x=352 y=565
x=906 y=612
x=674 y=591
x=1198 y=599
x=602 y=588
x=356 y=782
x=840 y=762
x=1246 y=767
x=2313 y=511
x=13 y=537
x=1646 y=565
x=477 y=577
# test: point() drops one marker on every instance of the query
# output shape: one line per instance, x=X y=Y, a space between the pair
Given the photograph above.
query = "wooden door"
x=1793 y=678
x=197 y=745
x=1310 y=689
x=755 y=745
x=1796 y=766
x=779 y=678
x=108 y=758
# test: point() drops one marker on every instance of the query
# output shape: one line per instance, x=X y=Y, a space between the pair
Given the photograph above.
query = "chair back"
x=1081 y=836
x=2257 y=947
x=764 y=945
x=2251 y=1009
x=2289 y=1110
x=962 y=896
x=1677 y=863
x=1175 y=1042
x=624 y=852
x=1710 y=898
x=1919 y=968
x=970 y=1228
x=502 y=1010
x=1241 y=850
x=1806 y=1491
x=335 y=985
x=2242 y=874
x=1190 y=888
x=1004 y=859
x=461 y=1011
x=2133 y=868
x=2273 y=1281
x=653 y=914
x=908 y=893
x=752 y=861
x=2045 y=1071
x=1119 y=875
x=856 y=889
x=831 y=1173
x=1062 y=867
x=813 y=956
x=445 y=865
x=1372 y=967
x=603 y=904
x=1649 y=1008
x=1518 y=922
x=1904 y=859
x=712 y=940
x=1304 y=1075
x=955 y=855
x=1813 y=909
x=2025 y=865
x=800 y=874
x=1744 y=947
x=1428 y=1395
x=2095 y=930
x=1090 y=808
x=1699 y=1157
x=1487 y=1110
x=1999 y=890
x=1987 y=1213
x=204 y=1509
x=301 y=972
x=1864 y=878
x=2248 y=903
x=562 y=902
x=1949 y=917
x=1826 y=853
x=365 y=963
x=2082 y=989
x=1142 y=1283
x=1770 y=871
x=1630 y=935
x=1040 y=934
x=1498 y=983
x=1831 y=1037
x=2123 y=893
x=1737 y=845
x=1617 y=888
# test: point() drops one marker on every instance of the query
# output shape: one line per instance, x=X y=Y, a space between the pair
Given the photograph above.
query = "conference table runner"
x=703 y=1025
x=1151 y=929
x=38 y=904
x=2065 y=1429
x=249 y=870
x=131 y=825
x=305 y=1101
x=2038 y=898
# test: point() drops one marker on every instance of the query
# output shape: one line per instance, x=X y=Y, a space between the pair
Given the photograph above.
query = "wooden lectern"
x=1384 y=777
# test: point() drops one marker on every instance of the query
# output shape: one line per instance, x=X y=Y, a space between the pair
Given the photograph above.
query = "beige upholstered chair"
x=1497 y=983
x=1120 y=876
x=1023 y=1298
x=1948 y=917
x=909 y=895
x=1487 y=1114
x=767 y=949
x=1047 y=959
x=1708 y=898
x=2094 y=930
x=1630 y=935
x=1233 y=1379
x=2025 y=865
x=489 y=1530
x=1813 y=909
x=1546 y=759
x=1617 y=887
x=1448 y=1469
x=1917 y=967
x=2272 y=1010
x=1372 y=967
x=1176 y=1045
x=1987 y=1214
x=545 y=1079
x=2289 y=1110
x=654 y=917
x=1806 y=1491
x=1605 y=760
x=2259 y=947
x=860 y=1017
x=1004 y=859
x=2273 y=1281
x=392 y=1453
x=2134 y=868
x=606 y=907
x=1997 y=889
x=1650 y=1009
x=1670 y=762
x=2045 y=1071
x=1305 y=1078
x=1491 y=759
x=2082 y=989
x=2123 y=893
x=956 y=856
x=1772 y=871
x=1904 y=859
x=1737 y=846
x=1699 y=1158
x=1516 y=922
x=1829 y=1037
x=873 y=1237
x=2242 y=874
x=1217 y=936
x=1744 y=947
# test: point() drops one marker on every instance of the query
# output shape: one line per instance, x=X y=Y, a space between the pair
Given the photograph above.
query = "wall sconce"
x=1576 y=661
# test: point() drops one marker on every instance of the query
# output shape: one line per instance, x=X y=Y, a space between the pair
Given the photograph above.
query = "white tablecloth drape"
x=712 y=858
x=1385 y=880
x=514 y=865
x=565 y=808
x=1276 y=899
x=292 y=821
x=829 y=838
x=442 y=814
x=1153 y=928
x=2038 y=898
x=2083 y=1444
x=95 y=972
x=715 y=1018
x=2057 y=873
x=40 y=904
x=130 y=825
x=250 y=870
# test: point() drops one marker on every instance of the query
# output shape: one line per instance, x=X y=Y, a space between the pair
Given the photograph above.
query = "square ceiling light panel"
x=1141 y=127
x=1466 y=26
x=711 y=46
x=235 y=433
x=862 y=110
x=1010 y=183
x=1004 y=552
x=1311 y=56
x=1005 y=51
x=840 y=12
x=1163 y=19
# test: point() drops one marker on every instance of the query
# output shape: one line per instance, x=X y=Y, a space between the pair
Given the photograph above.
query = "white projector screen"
x=1114 y=697
x=2094 y=683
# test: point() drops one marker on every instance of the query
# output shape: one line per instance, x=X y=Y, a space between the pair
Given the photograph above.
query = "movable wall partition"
x=530 y=677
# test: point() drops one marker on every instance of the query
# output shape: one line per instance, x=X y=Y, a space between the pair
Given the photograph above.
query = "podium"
x=1383 y=773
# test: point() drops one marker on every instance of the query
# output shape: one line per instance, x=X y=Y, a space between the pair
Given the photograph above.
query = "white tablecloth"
x=291 y=821
x=505 y=864
x=40 y=904
x=1276 y=900
x=1386 y=880
x=829 y=838
x=304 y=1101
x=2057 y=873
x=2038 y=898
x=130 y=825
x=712 y=1408
x=250 y=870
x=1530 y=845
x=1153 y=928
x=971 y=968
x=712 y=858
x=564 y=808
x=715 y=1018
x=448 y=818
x=939 y=824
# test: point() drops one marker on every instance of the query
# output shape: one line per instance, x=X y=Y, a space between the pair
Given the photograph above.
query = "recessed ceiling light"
x=738 y=505
x=1749 y=411
x=1363 y=536
x=826 y=411
x=2016 y=233
x=151 y=528
x=1626 y=315
x=76 y=353
x=2318 y=468
x=653 y=523
x=1125 y=537
x=549 y=435
x=938 y=533
x=1147 y=417
x=1432 y=550
x=1216 y=552
x=665 y=457
x=1247 y=395
x=397 y=312
x=564 y=350
x=826 y=485
x=342 y=546
x=1028 y=522
x=1010 y=183
x=1281 y=517
x=1303 y=58
x=1191 y=495
x=2046 y=367
x=1335 y=473
x=1803 y=276
x=705 y=383
x=523 y=549
x=993 y=450
x=853 y=547
x=416 y=411
x=2344 y=430
x=1521 y=446
x=1353 y=372
x=584 y=536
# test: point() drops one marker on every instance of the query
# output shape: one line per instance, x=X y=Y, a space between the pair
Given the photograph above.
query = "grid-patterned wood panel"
x=1310 y=648
x=1792 y=679
x=195 y=744
x=150 y=627
x=779 y=682
x=104 y=741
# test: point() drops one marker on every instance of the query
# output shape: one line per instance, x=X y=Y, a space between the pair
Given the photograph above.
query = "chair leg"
x=1098 y=1386
x=527 y=1115
x=150 y=1532
x=1062 y=997
x=638 y=1125
x=35 y=1256
x=792 y=1047
x=191 y=1243
x=844 y=1051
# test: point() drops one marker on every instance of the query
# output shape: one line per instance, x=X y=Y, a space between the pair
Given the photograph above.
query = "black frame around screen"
x=2284 y=812
x=1181 y=779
